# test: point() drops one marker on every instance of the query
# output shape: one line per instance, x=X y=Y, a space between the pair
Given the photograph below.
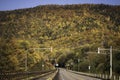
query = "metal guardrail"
x=21 y=75
x=56 y=76
x=100 y=76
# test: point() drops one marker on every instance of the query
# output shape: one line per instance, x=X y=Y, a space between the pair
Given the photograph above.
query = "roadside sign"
x=89 y=67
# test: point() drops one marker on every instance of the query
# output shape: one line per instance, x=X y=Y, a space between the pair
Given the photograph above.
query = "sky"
x=20 y=4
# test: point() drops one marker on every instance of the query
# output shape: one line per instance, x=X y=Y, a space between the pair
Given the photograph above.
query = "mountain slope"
x=65 y=28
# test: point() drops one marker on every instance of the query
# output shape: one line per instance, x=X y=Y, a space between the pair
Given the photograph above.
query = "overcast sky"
x=18 y=4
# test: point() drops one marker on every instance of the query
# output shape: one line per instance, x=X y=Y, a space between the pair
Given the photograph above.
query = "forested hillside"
x=71 y=30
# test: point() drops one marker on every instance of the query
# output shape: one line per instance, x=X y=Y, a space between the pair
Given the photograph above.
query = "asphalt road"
x=67 y=75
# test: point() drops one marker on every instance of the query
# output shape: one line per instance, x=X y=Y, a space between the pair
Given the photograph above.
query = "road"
x=67 y=75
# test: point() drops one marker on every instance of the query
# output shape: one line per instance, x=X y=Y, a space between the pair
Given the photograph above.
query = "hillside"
x=71 y=30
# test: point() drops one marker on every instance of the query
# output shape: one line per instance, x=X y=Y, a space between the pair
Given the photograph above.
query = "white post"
x=51 y=49
x=100 y=76
x=89 y=68
x=111 y=62
x=114 y=77
x=98 y=50
x=103 y=76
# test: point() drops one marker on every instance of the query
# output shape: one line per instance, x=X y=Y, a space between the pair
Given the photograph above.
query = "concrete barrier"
x=22 y=75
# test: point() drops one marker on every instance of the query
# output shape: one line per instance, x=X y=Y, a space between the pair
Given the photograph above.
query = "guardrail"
x=100 y=76
x=56 y=76
x=21 y=75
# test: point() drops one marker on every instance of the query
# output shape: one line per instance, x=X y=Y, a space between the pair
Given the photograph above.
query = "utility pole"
x=99 y=49
x=111 y=62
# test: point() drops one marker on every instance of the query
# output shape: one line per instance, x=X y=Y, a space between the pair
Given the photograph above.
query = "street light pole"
x=110 y=59
x=110 y=62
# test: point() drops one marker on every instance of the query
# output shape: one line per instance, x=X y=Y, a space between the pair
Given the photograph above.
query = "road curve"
x=67 y=75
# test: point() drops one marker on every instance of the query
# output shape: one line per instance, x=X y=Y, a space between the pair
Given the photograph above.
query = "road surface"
x=67 y=75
